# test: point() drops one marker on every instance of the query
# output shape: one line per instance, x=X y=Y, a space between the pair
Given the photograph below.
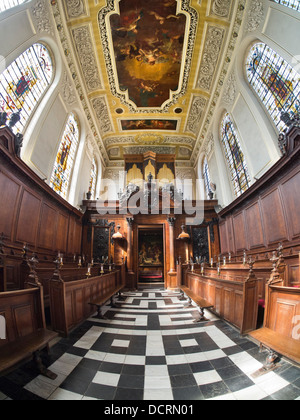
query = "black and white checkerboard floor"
x=150 y=348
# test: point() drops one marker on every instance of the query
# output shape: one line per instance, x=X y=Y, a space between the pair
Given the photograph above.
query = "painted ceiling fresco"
x=148 y=72
x=148 y=38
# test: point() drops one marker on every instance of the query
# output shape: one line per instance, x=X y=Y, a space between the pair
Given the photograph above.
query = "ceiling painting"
x=148 y=40
x=148 y=73
x=153 y=125
x=148 y=48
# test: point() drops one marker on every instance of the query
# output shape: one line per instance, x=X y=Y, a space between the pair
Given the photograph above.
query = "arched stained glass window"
x=293 y=4
x=63 y=165
x=276 y=83
x=8 y=4
x=206 y=176
x=93 y=179
x=235 y=158
x=24 y=82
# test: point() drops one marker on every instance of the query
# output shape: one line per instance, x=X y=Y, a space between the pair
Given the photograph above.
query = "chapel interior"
x=150 y=184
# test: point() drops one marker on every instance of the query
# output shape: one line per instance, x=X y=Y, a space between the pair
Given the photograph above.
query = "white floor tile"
x=109 y=379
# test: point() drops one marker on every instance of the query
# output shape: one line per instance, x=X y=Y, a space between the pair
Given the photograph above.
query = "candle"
x=211 y=262
x=89 y=271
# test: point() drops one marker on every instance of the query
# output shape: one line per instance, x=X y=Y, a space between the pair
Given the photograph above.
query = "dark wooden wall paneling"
x=267 y=214
x=31 y=213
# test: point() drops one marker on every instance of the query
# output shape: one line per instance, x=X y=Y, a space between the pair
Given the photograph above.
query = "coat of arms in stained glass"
x=24 y=82
x=63 y=165
x=274 y=80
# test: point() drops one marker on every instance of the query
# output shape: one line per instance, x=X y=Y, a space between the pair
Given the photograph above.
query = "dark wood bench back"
x=23 y=312
x=283 y=311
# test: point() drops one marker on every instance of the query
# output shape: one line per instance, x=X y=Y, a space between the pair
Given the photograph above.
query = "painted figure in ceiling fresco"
x=148 y=40
x=128 y=125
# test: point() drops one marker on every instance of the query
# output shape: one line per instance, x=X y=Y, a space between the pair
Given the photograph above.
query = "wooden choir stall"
x=254 y=282
x=47 y=286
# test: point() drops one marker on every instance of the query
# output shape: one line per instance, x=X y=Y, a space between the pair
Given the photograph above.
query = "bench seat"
x=109 y=296
x=279 y=343
x=202 y=303
x=23 y=348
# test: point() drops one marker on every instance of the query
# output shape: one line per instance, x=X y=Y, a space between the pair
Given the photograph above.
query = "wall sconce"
x=183 y=236
x=118 y=235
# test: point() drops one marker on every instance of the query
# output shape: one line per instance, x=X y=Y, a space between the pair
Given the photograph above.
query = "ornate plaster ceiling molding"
x=112 y=8
x=209 y=146
x=87 y=58
x=195 y=115
x=236 y=27
x=221 y=8
x=75 y=8
x=212 y=49
x=230 y=90
x=149 y=139
x=68 y=91
x=255 y=15
x=41 y=17
x=102 y=114
x=184 y=141
x=144 y=149
x=119 y=140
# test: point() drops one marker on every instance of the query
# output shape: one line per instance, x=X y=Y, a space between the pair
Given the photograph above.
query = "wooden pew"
x=70 y=301
x=26 y=333
x=200 y=302
x=103 y=299
x=236 y=301
x=44 y=272
x=281 y=332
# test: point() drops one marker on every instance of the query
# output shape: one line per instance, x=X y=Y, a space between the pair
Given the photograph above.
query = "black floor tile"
x=229 y=372
x=184 y=369
x=214 y=390
x=188 y=394
x=183 y=381
x=238 y=383
x=111 y=367
x=127 y=394
x=131 y=382
x=101 y=392
x=201 y=367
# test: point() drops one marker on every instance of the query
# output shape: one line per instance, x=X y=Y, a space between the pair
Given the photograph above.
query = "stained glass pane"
x=293 y=4
x=63 y=165
x=275 y=81
x=206 y=176
x=93 y=180
x=8 y=4
x=24 y=82
x=235 y=157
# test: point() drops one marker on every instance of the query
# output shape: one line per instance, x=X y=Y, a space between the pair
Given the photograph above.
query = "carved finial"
x=3 y=119
x=251 y=263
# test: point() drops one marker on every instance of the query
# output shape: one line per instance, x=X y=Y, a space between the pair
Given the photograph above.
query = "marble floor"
x=150 y=348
